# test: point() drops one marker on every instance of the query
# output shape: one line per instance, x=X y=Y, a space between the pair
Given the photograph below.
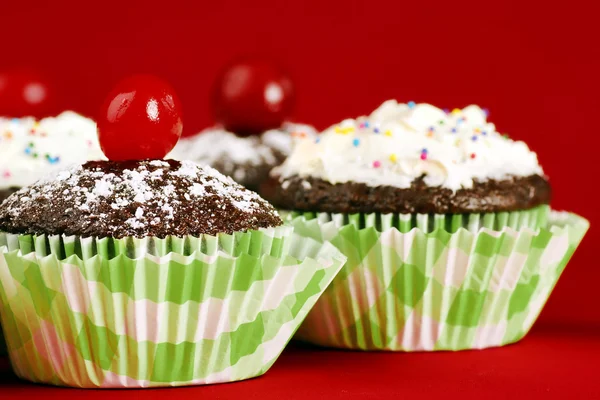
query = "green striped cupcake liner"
x=133 y=313
x=534 y=218
x=423 y=287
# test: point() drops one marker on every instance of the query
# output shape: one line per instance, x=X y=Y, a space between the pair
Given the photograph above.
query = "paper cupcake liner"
x=269 y=241
x=86 y=320
x=437 y=290
x=534 y=218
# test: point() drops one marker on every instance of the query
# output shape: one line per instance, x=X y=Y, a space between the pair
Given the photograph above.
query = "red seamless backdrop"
x=533 y=64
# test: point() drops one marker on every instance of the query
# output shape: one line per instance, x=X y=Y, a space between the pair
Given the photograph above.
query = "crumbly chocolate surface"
x=4 y=193
x=486 y=196
x=249 y=174
x=136 y=198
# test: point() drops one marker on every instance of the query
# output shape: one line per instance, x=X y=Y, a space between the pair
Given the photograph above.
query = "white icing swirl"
x=30 y=149
x=398 y=143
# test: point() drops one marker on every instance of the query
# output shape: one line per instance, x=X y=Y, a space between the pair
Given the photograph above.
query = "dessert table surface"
x=553 y=361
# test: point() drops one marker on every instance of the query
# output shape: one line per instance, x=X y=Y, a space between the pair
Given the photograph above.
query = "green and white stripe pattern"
x=411 y=288
x=156 y=312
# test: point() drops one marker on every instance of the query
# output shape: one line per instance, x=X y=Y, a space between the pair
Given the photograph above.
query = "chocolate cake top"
x=136 y=198
x=248 y=160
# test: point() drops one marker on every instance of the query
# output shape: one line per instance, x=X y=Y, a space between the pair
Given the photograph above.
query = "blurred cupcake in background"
x=252 y=101
x=446 y=224
x=31 y=148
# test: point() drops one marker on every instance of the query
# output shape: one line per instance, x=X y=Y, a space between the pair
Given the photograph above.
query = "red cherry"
x=251 y=97
x=25 y=93
x=140 y=119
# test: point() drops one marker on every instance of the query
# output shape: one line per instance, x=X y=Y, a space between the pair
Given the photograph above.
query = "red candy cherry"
x=251 y=97
x=140 y=119
x=25 y=92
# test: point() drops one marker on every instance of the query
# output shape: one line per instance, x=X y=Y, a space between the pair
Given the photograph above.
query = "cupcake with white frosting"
x=247 y=159
x=412 y=159
x=446 y=224
x=31 y=148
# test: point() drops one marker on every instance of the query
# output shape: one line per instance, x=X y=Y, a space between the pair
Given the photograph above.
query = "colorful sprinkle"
x=424 y=150
x=441 y=122
x=446 y=111
x=393 y=158
x=456 y=111
x=505 y=136
x=317 y=140
x=411 y=104
x=8 y=135
x=473 y=156
x=356 y=142
x=338 y=129
x=6 y=174
x=362 y=125
x=486 y=112
x=477 y=130
x=474 y=138
x=52 y=160
x=453 y=130
x=484 y=133
x=388 y=133
x=376 y=164
x=423 y=156
x=376 y=130
x=367 y=124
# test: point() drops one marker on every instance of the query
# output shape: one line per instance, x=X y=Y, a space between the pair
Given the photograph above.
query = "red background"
x=535 y=65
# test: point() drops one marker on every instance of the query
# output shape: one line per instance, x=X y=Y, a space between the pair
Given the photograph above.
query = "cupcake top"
x=410 y=158
x=401 y=143
x=247 y=160
x=31 y=148
x=135 y=198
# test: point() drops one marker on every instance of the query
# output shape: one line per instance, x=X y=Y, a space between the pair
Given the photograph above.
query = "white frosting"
x=398 y=143
x=30 y=149
x=216 y=144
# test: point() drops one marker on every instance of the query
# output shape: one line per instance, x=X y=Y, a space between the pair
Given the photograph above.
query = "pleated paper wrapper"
x=133 y=313
x=425 y=284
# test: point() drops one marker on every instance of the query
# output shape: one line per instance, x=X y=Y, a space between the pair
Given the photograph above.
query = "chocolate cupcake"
x=247 y=159
x=31 y=148
x=445 y=222
x=128 y=273
x=416 y=159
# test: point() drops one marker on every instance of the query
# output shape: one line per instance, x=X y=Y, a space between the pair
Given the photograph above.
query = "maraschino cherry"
x=252 y=96
x=140 y=119
x=25 y=93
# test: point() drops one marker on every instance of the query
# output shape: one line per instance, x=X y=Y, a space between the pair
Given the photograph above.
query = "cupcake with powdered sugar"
x=133 y=262
x=252 y=102
x=446 y=224
x=247 y=159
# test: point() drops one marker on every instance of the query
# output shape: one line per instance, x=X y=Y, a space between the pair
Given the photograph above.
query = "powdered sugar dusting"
x=142 y=195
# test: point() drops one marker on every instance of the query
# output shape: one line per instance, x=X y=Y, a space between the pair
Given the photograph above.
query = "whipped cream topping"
x=30 y=148
x=217 y=145
x=399 y=143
